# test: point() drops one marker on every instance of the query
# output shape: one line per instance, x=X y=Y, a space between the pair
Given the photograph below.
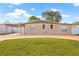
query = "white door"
x=75 y=29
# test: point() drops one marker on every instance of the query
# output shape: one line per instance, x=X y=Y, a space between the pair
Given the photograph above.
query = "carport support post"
x=24 y=30
x=12 y=29
x=19 y=28
x=6 y=29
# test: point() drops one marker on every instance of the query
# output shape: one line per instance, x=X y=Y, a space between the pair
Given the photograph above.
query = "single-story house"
x=49 y=28
x=41 y=28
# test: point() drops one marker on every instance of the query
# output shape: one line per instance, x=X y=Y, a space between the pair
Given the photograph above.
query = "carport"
x=15 y=28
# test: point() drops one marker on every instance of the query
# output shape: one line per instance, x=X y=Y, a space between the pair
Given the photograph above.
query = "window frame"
x=51 y=26
x=43 y=26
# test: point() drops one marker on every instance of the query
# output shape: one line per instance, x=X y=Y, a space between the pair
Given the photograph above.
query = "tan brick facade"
x=37 y=28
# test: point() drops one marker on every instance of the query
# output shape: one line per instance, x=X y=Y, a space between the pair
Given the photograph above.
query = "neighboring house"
x=41 y=28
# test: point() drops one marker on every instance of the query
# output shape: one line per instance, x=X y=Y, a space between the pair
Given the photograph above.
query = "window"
x=32 y=27
x=64 y=29
x=51 y=26
x=43 y=26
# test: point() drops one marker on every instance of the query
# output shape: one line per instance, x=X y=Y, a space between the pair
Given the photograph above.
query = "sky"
x=20 y=13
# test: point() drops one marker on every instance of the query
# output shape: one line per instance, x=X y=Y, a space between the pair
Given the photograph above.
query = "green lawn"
x=39 y=47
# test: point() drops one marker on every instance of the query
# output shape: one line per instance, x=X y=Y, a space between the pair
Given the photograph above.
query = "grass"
x=39 y=47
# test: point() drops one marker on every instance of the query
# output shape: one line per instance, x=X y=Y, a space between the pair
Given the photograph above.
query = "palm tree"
x=33 y=18
x=52 y=16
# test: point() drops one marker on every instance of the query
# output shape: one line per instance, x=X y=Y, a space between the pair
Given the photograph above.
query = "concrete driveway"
x=17 y=35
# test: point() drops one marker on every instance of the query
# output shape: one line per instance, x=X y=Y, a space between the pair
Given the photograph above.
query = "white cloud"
x=77 y=17
x=55 y=9
x=76 y=4
x=65 y=15
x=5 y=20
x=2 y=20
x=19 y=13
x=27 y=15
x=39 y=16
x=32 y=9
x=15 y=3
x=10 y=6
x=39 y=1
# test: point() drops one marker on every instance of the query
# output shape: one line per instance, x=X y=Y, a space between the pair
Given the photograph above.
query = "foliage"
x=53 y=16
x=33 y=18
x=76 y=22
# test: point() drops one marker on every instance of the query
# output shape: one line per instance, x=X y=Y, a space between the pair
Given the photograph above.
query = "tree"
x=33 y=18
x=76 y=22
x=53 y=16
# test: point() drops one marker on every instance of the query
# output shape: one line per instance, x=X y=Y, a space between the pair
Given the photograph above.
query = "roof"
x=46 y=22
x=2 y=24
x=33 y=22
x=15 y=25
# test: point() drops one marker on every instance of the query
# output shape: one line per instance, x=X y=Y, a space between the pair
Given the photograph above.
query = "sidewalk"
x=17 y=35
